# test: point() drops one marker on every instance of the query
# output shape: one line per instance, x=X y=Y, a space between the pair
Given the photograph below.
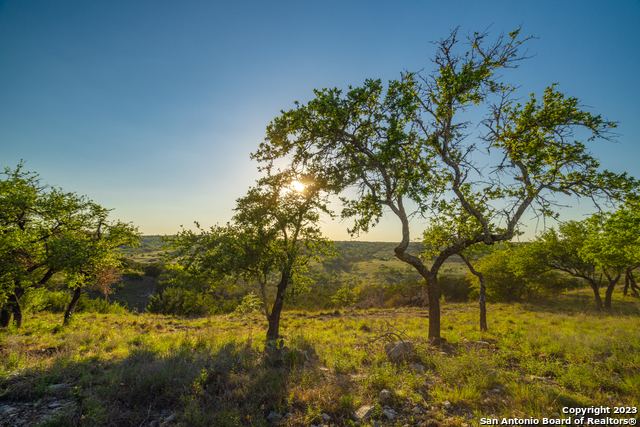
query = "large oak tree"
x=412 y=149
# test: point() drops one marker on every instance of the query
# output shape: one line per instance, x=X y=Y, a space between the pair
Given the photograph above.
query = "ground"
x=142 y=370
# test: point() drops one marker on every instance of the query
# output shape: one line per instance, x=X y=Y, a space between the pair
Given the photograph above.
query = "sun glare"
x=297 y=186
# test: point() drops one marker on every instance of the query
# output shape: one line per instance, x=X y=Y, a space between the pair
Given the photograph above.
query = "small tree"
x=274 y=233
x=612 y=244
x=599 y=249
x=44 y=231
x=560 y=250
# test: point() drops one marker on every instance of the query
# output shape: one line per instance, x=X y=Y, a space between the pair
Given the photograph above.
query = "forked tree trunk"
x=12 y=308
x=72 y=305
x=609 y=292
x=274 y=318
x=596 y=294
x=630 y=282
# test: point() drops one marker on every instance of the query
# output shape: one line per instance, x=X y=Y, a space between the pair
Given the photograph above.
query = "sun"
x=297 y=186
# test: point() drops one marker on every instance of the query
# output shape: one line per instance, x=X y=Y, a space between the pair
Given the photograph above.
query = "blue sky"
x=153 y=107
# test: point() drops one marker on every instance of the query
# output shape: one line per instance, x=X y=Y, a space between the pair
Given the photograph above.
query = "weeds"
x=125 y=370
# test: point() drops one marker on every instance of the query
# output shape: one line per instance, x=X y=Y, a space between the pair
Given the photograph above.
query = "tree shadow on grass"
x=577 y=303
x=196 y=385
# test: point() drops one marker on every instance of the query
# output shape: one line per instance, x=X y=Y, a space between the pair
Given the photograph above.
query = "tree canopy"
x=44 y=231
x=411 y=149
x=271 y=238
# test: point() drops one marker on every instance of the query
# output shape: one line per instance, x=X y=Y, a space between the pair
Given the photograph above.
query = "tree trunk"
x=72 y=305
x=434 y=310
x=5 y=316
x=631 y=280
x=483 y=291
x=609 y=292
x=596 y=294
x=12 y=308
x=17 y=312
x=274 y=319
x=626 y=285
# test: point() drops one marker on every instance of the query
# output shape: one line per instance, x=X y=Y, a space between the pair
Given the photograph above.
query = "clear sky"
x=153 y=107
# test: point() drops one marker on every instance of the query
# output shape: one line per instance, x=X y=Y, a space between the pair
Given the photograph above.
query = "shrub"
x=133 y=275
x=153 y=269
x=250 y=303
x=38 y=299
x=34 y=300
x=455 y=289
x=184 y=302
x=99 y=305
x=345 y=296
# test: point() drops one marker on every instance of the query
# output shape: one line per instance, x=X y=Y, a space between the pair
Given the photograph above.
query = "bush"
x=455 y=289
x=34 y=300
x=345 y=296
x=99 y=305
x=39 y=299
x=250 y=303
x=153 y=269
x=186 y=302
x=133 y=275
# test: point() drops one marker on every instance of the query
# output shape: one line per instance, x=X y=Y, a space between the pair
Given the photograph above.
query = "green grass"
x=126 y=370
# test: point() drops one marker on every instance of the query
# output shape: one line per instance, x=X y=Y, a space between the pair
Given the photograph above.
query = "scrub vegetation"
x=131 y=370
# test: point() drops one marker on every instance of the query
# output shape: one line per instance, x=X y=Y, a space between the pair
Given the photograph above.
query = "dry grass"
x=126 y=370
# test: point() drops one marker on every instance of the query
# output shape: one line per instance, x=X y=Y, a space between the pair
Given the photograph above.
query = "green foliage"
x=455 y=289
x=249 y=304
x=153 y=269
x=411 y=144
x=345 y=296
x=44 y=230
x=512 y=274
x=133 y=275
x=187 y=302
x=102 y=306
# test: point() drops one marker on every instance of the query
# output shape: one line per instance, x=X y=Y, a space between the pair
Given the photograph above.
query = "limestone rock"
x=399 y=350
x=363 y=412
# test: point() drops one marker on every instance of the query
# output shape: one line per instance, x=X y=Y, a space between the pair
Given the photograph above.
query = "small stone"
x=363 y=412
x=153 y=423
x=377 y=424
x=59 y=386
x=418 y=368
x=416 y=410
x=399 y=350
x=325 y=417
x=170 y=417
x=390 y=413
x=385 y=395
x=54 y=404
x=446 y=404
x=7 y=408
x=273 y=415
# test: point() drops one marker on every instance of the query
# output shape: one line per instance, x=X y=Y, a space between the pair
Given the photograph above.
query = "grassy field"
x=126 y=370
